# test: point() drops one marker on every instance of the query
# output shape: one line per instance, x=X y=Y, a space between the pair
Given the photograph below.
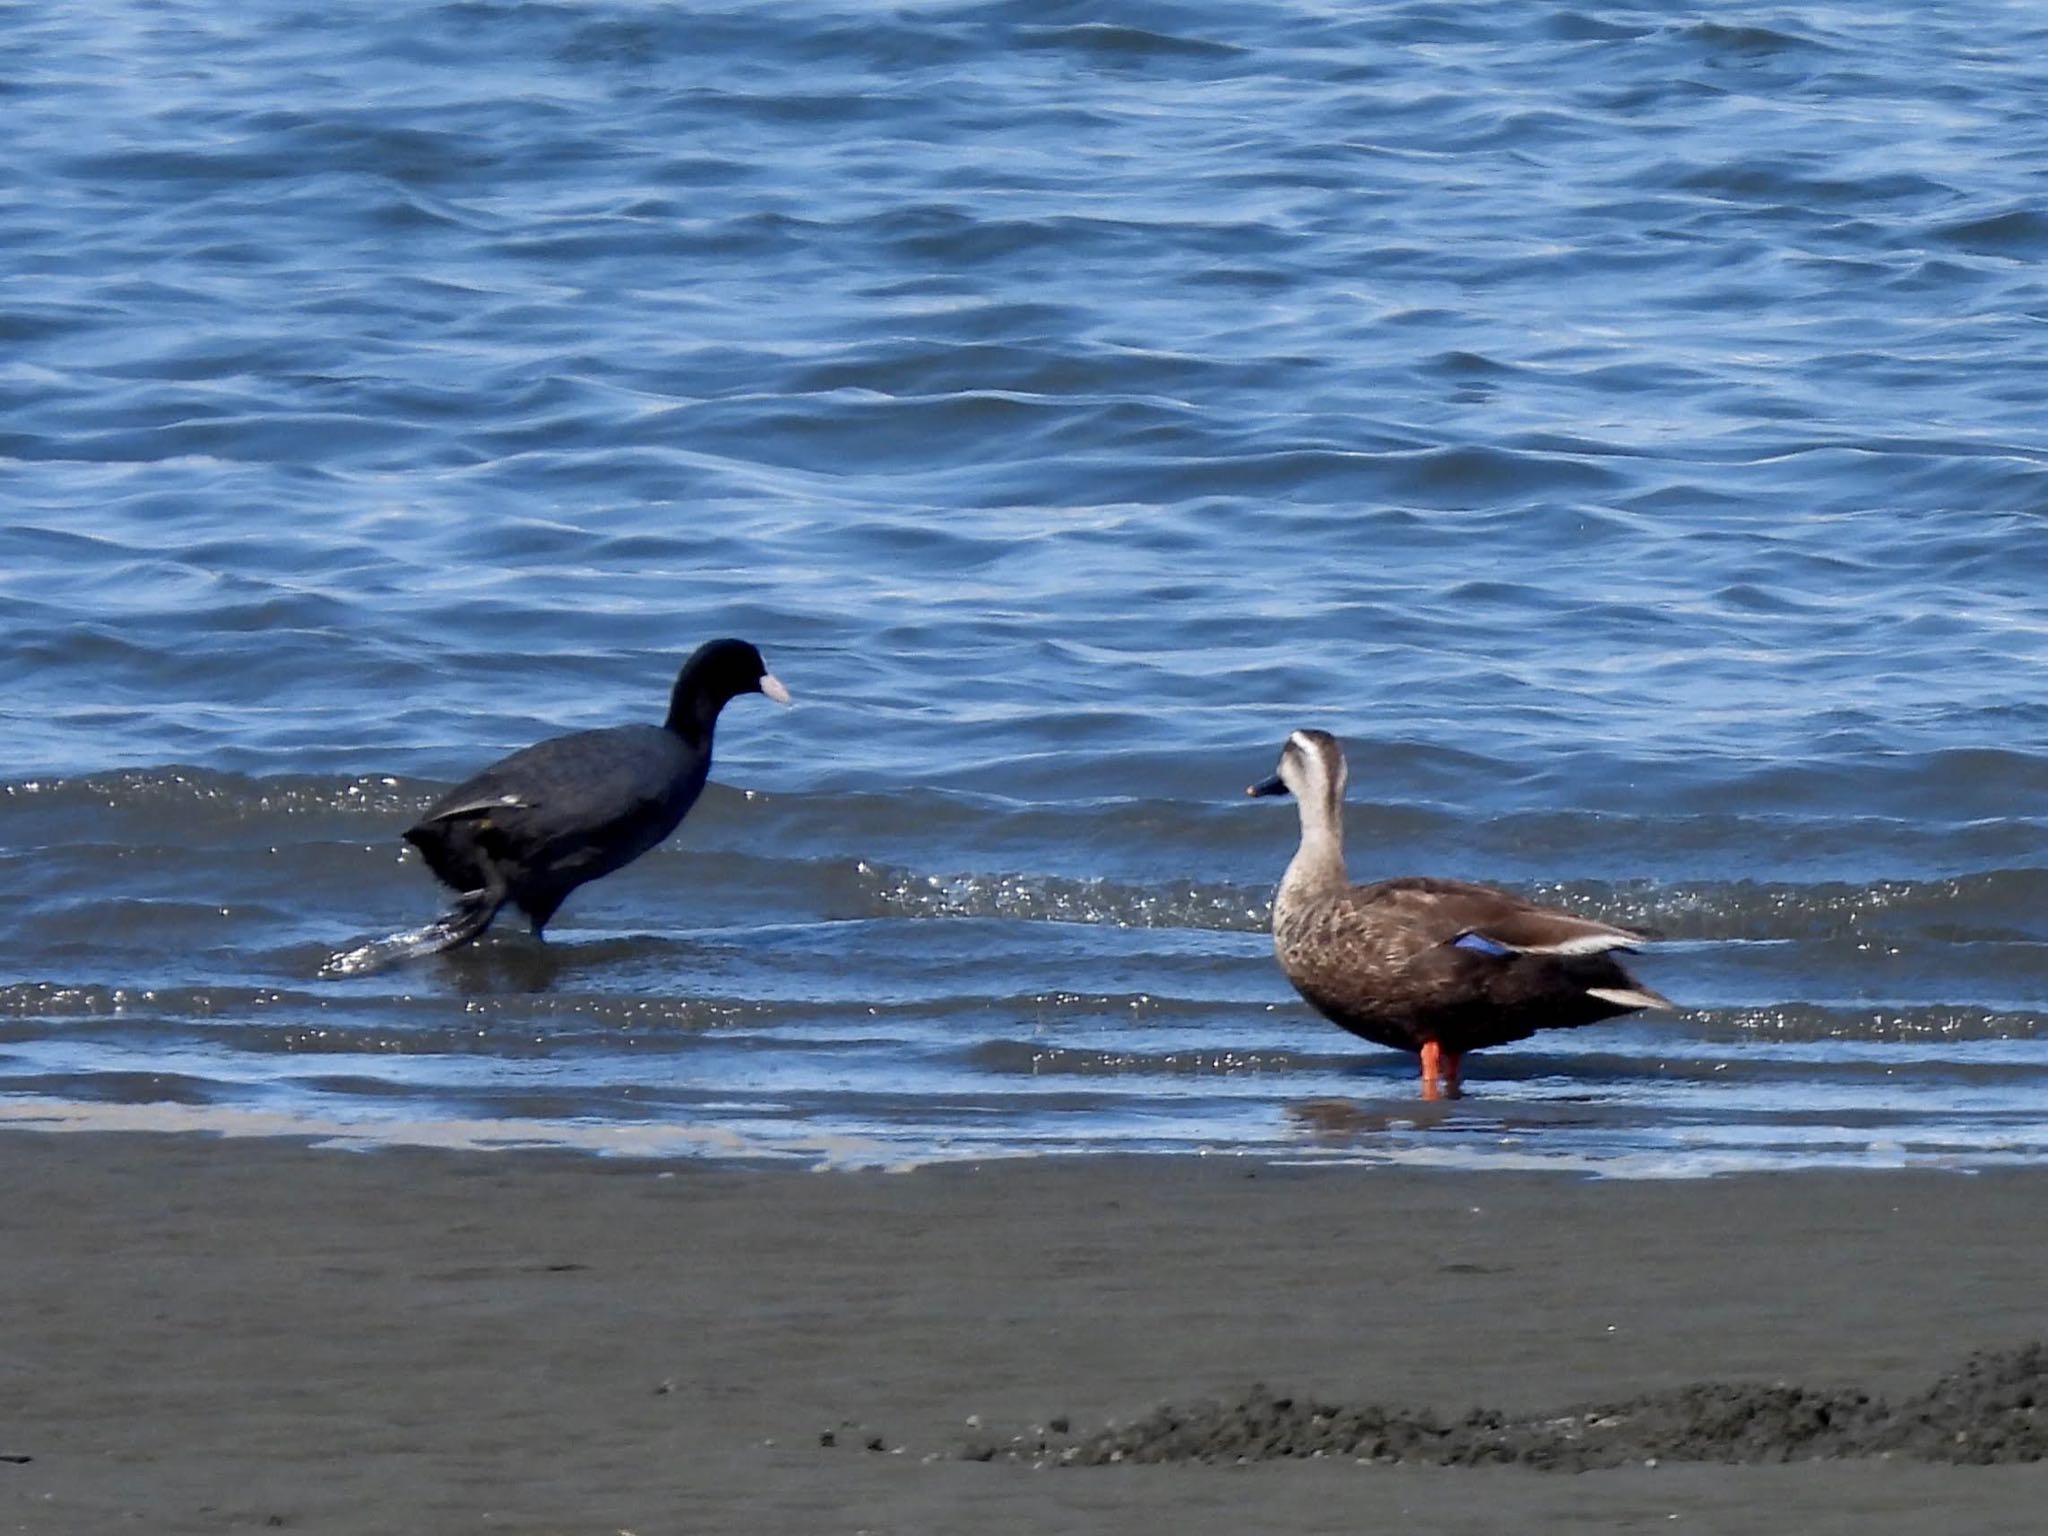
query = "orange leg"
x=1432 y=1067
x=1454 y=1066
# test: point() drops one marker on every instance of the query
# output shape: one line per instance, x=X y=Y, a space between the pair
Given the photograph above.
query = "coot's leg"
x=470 y=916
x=539 y=908
x=473 y=910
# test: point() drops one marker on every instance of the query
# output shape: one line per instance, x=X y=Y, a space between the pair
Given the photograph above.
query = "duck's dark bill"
x=1273 y=786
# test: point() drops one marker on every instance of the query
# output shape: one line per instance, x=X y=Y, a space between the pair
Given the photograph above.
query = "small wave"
x=1033 y=1059
x=173 y=790
x=1797 y=1022
x=1721 y=38
x=1995 y=906
x=1124 y=44
x=27 y=1009
x=2017 y=232
x=1048 y=898
x=37 y=1000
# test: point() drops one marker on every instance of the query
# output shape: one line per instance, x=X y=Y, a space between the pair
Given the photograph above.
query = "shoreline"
x=1335 y=1135
x=211 y=1335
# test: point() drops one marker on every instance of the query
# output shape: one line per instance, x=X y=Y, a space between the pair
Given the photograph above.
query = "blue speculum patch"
x=1482 y=943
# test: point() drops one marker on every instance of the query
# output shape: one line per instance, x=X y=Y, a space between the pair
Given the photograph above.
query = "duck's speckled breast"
x=1354 y=966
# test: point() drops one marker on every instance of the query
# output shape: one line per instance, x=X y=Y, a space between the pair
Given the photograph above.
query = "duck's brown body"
x=1384 y=962
x=1438 y=967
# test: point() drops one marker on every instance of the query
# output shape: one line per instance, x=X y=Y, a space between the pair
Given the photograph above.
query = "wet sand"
x=206 y=1335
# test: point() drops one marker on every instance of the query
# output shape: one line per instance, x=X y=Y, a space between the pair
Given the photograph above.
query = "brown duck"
x=1439 y=967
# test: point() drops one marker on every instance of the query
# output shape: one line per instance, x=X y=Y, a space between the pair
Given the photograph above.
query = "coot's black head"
x=717 y=671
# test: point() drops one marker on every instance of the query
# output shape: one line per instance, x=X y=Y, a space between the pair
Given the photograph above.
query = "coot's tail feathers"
x=470 y=916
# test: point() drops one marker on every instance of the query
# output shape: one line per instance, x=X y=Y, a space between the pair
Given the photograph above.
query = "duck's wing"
x=1484 y=920
x=1544 y=931
x=1453 y=911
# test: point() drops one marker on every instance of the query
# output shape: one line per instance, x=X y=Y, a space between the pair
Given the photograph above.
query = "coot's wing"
x=579 y=805
x=457 y=807
x=494 y=794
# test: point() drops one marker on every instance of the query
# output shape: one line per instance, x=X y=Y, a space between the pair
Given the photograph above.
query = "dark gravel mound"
x=1990 y=1410
x=1994 y=1409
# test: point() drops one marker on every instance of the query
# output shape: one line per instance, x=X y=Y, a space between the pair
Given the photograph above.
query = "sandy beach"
x=207 y=1335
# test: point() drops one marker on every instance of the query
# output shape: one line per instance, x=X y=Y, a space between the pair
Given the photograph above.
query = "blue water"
x=1622 y=425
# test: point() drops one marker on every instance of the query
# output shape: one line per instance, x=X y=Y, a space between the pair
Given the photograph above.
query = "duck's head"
x=1311 y=769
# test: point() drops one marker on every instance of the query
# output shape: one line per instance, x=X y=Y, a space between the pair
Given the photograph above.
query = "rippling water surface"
x=1623 y=427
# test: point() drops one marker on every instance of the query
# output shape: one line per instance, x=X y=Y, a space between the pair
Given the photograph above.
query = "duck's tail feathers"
x=1631 y=997
x=1593 y=942
x=1531 y=930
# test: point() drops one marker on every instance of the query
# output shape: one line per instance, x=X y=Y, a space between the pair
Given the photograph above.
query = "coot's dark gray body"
x=562 y=813
x=534 y=826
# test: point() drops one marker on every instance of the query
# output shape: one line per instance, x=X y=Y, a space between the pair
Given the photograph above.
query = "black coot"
x=532 y=827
